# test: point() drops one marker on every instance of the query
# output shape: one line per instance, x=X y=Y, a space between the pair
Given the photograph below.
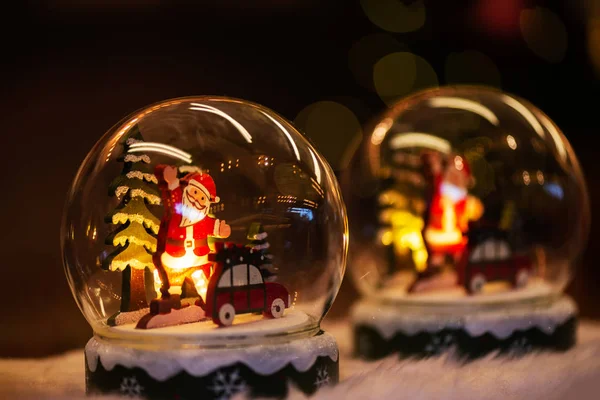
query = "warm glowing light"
x=467 y=105
x=526 y=178
x=443 y=238
x=415 y=139
x=406 y=234
x=387 y=238
x=157 y=281
x=521 y=109
x=200 y=282
x=213 y=110
x=512 y=143
x=449 y=234
x=458 y=163
x=189 y=260
x=381 y=130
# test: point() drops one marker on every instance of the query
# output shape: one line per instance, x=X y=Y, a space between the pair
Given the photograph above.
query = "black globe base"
x=425 y=332
x=266 y=370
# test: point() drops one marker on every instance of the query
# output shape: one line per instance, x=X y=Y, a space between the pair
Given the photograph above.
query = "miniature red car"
x=237 y=287
x=489 y=257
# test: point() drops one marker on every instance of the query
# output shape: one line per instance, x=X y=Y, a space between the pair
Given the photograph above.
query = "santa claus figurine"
x=447 y=218
x=182 y=246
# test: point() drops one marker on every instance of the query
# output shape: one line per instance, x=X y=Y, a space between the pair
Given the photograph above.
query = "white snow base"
x=264 y=359
x=574 y=374
x=500 y=321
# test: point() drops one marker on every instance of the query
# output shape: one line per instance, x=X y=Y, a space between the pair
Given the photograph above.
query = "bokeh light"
x=471 y=67
x=367 y=51
x=332 y=128
x=594 y=35
x=394 y=16
x=544 y=33
x=498 y=18
x=401 y=73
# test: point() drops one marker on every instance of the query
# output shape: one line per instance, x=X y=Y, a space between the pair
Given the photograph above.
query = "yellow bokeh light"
x=512 y=143
x=387 y=238
x=544 y=33
x=594 y=34
x=398 y=74
x=394 y=16
x=332 y=127
x=367 y=51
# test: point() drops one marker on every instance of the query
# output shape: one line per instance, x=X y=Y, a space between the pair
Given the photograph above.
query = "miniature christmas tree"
x=399 y=212
x=135 y=237
x=258 y=241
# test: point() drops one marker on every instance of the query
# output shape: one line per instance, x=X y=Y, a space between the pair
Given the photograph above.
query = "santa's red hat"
x=203 y=182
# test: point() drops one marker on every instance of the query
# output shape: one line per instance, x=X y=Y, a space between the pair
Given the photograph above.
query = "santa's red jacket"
x=436 y=209
x=178 y=238
x=173 y=238
x=447 y=239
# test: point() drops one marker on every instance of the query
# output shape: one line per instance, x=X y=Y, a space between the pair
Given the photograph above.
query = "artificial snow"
x=500 y=321
x=574 y=374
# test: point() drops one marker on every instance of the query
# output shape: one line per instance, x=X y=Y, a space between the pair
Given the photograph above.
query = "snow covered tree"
x=399 y=208
x=134 y=238
x=258 y=241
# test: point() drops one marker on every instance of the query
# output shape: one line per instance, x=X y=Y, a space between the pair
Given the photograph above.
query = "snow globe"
x=204 y=240
x=468 y=211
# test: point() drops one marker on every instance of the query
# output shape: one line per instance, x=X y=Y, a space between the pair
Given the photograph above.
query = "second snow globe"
x=468 y=211
x=204 y=240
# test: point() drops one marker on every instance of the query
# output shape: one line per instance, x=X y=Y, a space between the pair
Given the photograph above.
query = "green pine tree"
x=134 y=239
x=257 y=237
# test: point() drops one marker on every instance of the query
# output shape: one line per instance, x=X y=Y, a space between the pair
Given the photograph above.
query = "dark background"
x=72 y=69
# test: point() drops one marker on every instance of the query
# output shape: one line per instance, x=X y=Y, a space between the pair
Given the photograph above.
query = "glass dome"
x=464 y=195
x=172 y=194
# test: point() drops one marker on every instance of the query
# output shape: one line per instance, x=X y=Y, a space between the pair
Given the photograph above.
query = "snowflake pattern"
x=322 y=377
x=520 y=346
x=439 y=344
x=226 y=385
x=130 y=387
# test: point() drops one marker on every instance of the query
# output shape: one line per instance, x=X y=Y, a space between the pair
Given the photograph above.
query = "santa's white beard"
x=453 y=192
x=190 y=214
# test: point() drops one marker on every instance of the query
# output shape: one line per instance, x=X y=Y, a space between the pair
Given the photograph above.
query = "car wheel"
x=226 y=314
x=477 y=282
x=522 y=278
x=277 y=308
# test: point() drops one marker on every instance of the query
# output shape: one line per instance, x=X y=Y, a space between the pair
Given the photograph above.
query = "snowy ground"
x=571 y=375
x=243 y=325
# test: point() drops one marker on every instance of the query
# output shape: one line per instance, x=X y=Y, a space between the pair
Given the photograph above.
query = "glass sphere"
x=464 y=195
x=244 y=175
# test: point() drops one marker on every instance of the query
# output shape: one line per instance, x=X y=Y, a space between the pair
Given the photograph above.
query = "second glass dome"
x=465 y=195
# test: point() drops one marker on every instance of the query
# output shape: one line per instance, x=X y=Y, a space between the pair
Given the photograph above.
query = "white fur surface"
x=549 y=376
